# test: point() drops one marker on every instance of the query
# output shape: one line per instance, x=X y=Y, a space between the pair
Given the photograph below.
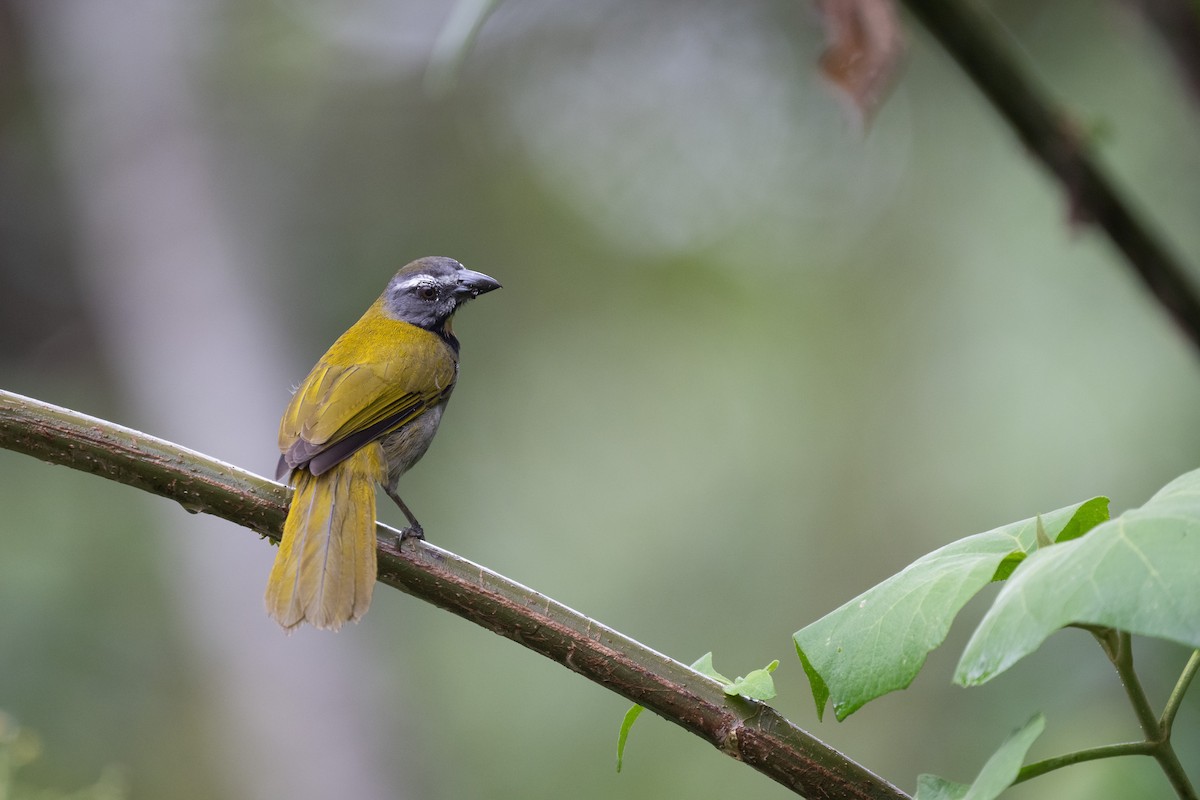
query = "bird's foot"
x=414 y=532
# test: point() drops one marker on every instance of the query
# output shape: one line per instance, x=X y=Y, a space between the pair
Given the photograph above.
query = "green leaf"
x=757 y=685
x=1136 y=572
x=997 y=774
x=819 y=690
x=877 y=643
x=931 y=787
x=1090 y=515
x=630 y=716
x=704 y=665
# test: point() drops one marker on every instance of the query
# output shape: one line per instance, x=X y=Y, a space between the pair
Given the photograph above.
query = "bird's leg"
x=414 y=531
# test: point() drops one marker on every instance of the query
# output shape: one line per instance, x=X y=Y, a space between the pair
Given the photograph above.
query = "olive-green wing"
x=379 y=375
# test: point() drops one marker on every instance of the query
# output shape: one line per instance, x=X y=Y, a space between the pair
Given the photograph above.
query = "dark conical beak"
x=473 y=284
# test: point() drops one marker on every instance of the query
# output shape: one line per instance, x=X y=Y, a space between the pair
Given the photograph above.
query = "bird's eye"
x=426 y=292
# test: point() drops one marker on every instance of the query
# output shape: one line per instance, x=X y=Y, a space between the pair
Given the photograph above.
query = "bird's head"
x=427 y=292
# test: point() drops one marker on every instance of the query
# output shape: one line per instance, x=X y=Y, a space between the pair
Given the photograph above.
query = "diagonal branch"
x=1057 y=141
x=747 y=730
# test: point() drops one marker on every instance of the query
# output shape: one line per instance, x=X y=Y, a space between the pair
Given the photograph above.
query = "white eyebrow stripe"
x=416 y=280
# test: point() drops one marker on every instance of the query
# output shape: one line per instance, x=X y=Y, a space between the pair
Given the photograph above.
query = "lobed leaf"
x=757 y=685
x=878 y=642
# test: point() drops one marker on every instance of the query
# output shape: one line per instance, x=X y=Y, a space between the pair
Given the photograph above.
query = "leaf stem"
x=1118 y=646
x=1080 y=756
x=1181 y=686
x=1122 y=658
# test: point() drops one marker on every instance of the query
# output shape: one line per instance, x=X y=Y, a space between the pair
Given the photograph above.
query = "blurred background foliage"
x=746 y=363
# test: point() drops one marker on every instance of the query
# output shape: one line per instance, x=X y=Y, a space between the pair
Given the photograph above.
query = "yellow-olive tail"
x=325 y=569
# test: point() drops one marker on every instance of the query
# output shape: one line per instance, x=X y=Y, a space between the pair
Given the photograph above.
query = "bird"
x=365 y=415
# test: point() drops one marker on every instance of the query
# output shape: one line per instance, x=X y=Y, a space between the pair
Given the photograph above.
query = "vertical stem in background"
x=198 y=357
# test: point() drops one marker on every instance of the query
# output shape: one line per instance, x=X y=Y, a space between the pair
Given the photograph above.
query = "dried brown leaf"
x=864 y=44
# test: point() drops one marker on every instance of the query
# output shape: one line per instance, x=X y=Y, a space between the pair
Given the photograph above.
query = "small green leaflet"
x=1043 y=539
x=705 y=667
x=878 y=642
x=997 y=774
x=757 y=685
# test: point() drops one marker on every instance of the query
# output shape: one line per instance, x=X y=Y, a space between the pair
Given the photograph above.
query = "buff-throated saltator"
x=365 y=414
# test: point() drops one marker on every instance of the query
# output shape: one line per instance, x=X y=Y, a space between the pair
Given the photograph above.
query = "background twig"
x=1052 y=136
x=747 y=730
x=1177 y=22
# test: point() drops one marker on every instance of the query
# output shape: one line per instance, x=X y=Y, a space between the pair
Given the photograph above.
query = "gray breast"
x=405 y=446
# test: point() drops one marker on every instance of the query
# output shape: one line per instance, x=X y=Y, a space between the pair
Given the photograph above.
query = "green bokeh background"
x=747 y=362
